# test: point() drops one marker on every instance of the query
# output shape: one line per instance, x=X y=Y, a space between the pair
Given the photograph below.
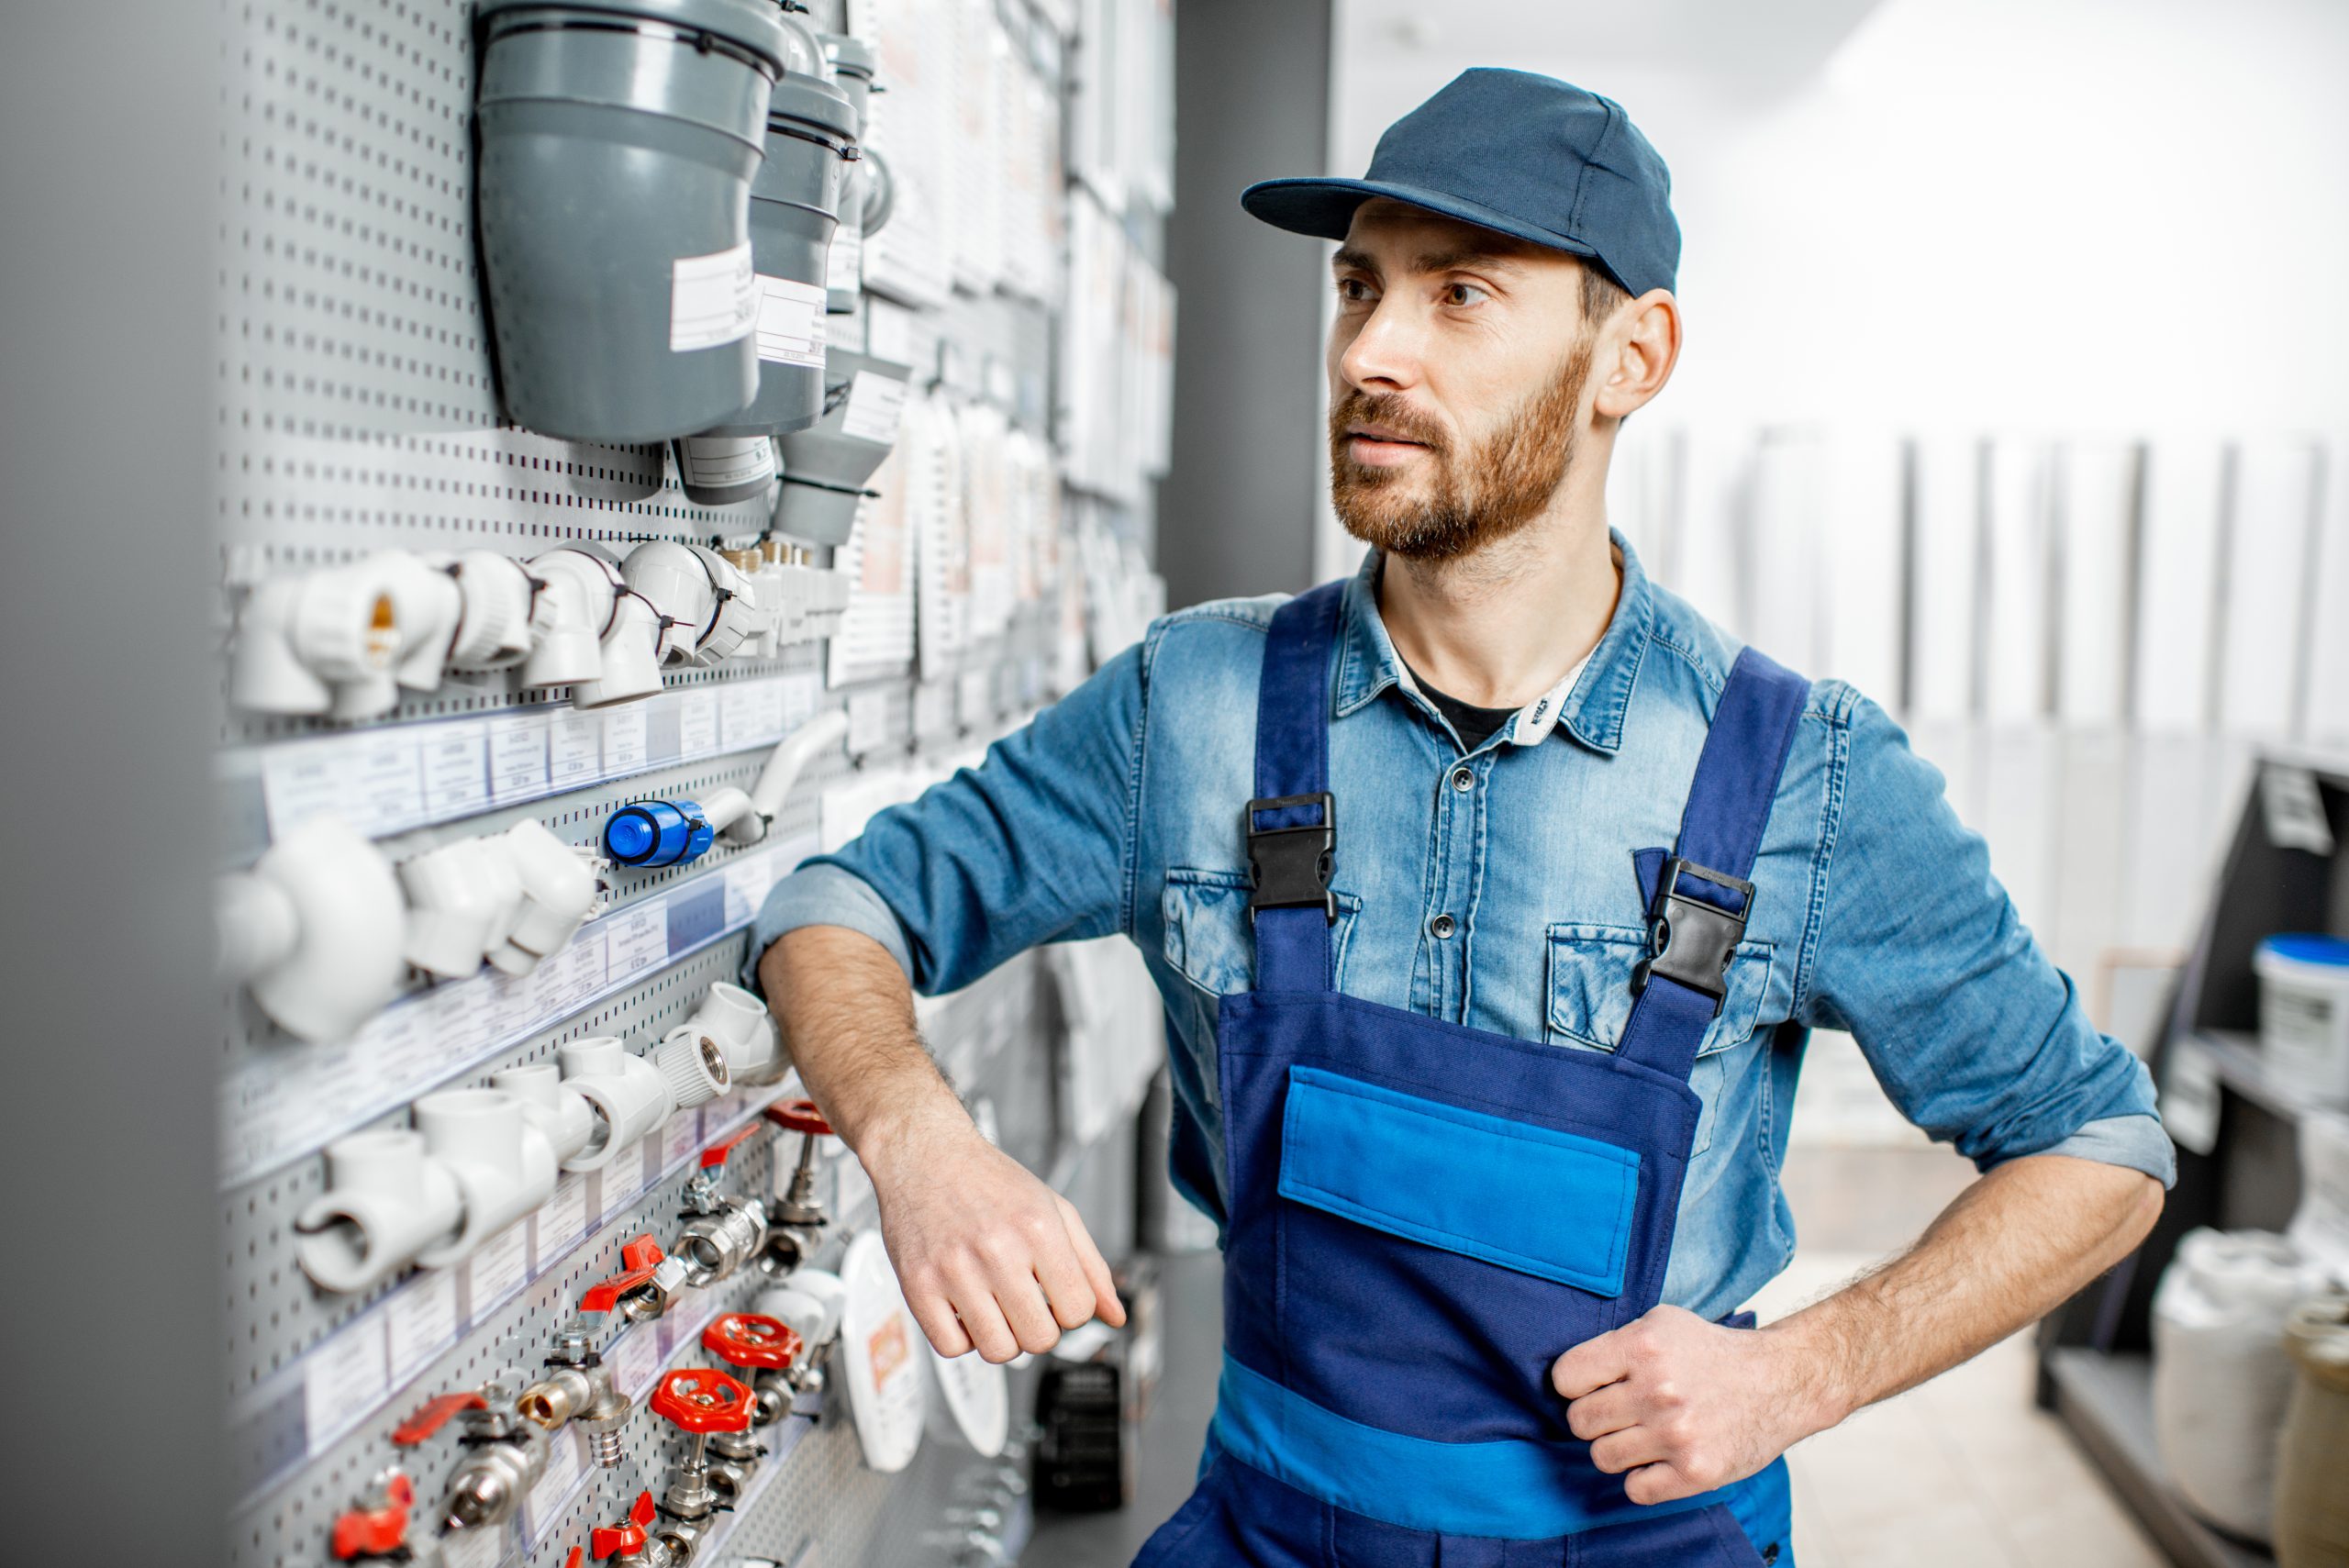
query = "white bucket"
x=2304 y=1013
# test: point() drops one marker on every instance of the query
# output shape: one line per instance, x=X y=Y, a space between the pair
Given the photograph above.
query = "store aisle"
x=1964 y=1469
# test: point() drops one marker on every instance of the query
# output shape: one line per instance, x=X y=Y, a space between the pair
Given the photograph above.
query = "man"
x=1490 y=894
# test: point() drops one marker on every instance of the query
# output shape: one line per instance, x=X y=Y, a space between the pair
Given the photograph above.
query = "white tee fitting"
x=385 y=1202
x=335 y=894
x=463 y=899
x=494 y=629
x=745 y=1030
x=631 y=656
x=812 y=1301
x=560 y=1112
x=503 y=1165
x=558 y=892
x=632 y=1094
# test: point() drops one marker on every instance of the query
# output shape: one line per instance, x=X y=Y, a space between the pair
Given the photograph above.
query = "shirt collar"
x=1591 y=710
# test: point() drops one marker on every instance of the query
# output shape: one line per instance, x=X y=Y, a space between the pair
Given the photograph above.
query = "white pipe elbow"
x=558 y=893
x=675 y=581
x=265 y=674
x=631 y=1094
x=791 y=757
x=385 y=1202
x=731 y=816
x=429 y=605
x=560 y=1112
x=568 y=614
x=493 y=630
x=462 y=900
x=632 y=651
x=745 y=1031
x=339 y=893
x=503 y=1165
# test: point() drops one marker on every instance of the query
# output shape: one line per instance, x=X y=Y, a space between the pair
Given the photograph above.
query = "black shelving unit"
x=2096 y=1351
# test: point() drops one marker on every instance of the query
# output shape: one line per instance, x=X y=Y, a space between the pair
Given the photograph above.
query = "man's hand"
x=1677 y=1406
x=989 y=1257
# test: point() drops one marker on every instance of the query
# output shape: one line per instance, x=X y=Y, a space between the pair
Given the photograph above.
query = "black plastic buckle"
x=1288 y=868
x=1692 y=940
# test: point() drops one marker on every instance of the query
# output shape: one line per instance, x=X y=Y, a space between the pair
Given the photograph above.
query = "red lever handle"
x=572 y=1561
x=435 y=1415
x=751 y=1339
x=717 y=1152
x=700 y=1400
x=641 y=1256
x=799 y=1116
x=613 y=1540
x=375 y=1533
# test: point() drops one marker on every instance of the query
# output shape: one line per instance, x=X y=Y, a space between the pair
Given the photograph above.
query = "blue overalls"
x=1423 y=1216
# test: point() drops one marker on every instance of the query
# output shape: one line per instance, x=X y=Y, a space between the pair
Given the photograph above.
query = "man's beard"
x=1488 y=492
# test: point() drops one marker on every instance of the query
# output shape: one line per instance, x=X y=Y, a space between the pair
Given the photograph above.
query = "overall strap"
x=1699 y=898
x=1290 y=828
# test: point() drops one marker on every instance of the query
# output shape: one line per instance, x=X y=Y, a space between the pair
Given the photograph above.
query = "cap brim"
x=1325 y=207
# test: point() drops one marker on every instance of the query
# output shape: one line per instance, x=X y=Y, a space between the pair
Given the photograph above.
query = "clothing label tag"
x=876 y=403
x=791 y=322
x=2294 y=808
x=713 y=299
x=2189 y=1097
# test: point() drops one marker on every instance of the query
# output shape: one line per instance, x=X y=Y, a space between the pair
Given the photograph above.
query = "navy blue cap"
x=1531 y=156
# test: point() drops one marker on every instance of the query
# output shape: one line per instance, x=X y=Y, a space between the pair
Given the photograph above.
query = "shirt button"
x=1441 y=926
x=1463 y=779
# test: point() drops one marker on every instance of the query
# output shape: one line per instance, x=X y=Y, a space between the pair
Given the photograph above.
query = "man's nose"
x=1385 y=354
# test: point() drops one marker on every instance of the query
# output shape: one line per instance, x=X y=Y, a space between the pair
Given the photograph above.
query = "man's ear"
x=1637 y=349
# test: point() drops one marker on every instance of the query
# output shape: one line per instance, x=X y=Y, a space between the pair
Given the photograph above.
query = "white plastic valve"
x=559 y=891
x=738 y=1022
x=503 y=1165
x=315 y=930
x=632 y=1094
x=463 y=901
x=385 y=1202
x=559 y=1111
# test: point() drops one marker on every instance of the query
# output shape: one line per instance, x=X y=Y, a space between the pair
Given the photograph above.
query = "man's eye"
x=1464 y=294
x=1353 y=291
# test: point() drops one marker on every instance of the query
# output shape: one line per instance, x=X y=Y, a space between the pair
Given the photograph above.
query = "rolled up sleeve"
x=1033 y=845
x=1973 y=1032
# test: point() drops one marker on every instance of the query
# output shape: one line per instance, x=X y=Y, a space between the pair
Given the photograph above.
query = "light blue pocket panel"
x=1543 y=1202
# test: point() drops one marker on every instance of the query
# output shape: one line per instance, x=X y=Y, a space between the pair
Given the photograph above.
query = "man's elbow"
x=2145 y=1210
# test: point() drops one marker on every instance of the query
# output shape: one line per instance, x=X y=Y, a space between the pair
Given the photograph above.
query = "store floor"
x=1963 y=1470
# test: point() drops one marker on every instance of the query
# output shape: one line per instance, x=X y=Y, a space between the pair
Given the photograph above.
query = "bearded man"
x=1491 y=892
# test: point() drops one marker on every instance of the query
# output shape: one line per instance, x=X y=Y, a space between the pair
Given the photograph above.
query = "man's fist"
x=1677 y=1406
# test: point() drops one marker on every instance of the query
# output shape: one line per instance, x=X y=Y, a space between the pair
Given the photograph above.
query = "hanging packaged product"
x=2304 y=1012
x=794 y=205
x=825 y=468
x=618 y=142
x=883 y=1357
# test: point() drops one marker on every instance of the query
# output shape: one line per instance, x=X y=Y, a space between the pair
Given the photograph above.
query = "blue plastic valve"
x=657 y=833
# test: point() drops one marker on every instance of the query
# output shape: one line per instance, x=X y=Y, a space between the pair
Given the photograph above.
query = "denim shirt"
x=1497 y=890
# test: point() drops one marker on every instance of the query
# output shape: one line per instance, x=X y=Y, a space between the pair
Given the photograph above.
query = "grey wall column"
x=1252 y=100
x=112 y=1324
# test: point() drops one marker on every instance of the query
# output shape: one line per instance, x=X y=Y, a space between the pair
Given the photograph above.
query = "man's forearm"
x=848 y=1017
x=2013 y=1245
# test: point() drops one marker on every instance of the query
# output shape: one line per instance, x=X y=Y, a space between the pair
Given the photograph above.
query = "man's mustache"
x=1389 y=409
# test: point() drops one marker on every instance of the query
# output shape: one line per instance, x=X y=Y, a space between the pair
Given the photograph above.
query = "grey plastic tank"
x=794 y=206
x=618 y=142
x=824 y=467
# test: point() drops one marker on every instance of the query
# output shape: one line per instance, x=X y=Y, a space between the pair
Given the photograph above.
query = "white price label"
x=481 y=1547
x=624 y=1177
x=517 y=757
x=696 y=723
x=563 y=1218
x=791 y=322
x=575 y=749
x=713 y=299
x=636 y=938
x=876 y=403
x=868 y=720
x=500 y=1267
x=680 y=1136
x=624 y=732
x=636 y=1359
x=343 y=1378
x=456 y=770
x=565 y=1462
x=420 y=1321
x=844 y=262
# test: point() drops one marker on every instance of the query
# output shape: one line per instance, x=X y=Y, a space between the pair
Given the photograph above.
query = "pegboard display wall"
x=359 y=413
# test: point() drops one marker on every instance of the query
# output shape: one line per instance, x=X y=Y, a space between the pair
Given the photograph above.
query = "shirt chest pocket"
x=1210 y=941
x=1591 y=1001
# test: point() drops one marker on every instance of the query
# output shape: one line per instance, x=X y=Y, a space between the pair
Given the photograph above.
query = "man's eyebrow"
x=1457 y=257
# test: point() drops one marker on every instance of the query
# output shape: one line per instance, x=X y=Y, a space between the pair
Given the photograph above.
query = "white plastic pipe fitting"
x=385 y=1202
x=560 y=1112
x=745 y=1031
x=785 y=764
x=558 y=893
x=584 y=593
x=812 y=1301
x=502 y=1163
x=709 y=605
x=632 y=651
x=494 y=629
x=326 y=641
x=462 y=900
x=430 y=606
x=315 y=930
x=632 y=1094
x=568 y=614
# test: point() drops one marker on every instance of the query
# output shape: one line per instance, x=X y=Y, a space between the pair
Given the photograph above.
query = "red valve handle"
x=643 y=1257
x=751 y=1339
x=572 y=1561
x=609 y=1540
x=717 y=1152
x=700 y=1400
x=433 y=1417
x=799 y=1116
x=376 y=1532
